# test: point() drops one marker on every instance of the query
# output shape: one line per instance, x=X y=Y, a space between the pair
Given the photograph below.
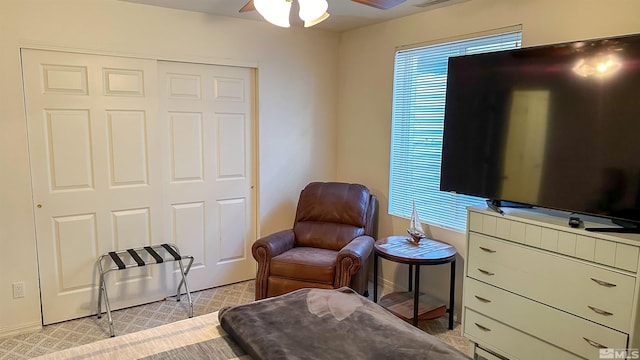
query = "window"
x=420 y=80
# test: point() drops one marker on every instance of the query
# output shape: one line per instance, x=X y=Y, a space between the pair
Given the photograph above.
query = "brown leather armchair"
x=331 y=240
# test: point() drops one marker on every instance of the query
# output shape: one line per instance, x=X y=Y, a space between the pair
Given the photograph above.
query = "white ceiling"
x=345 y=14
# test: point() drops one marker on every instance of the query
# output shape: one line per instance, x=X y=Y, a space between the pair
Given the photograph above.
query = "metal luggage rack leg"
x=171 y=254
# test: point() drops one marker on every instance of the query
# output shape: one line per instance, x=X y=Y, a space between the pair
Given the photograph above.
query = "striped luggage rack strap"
x=138 y=257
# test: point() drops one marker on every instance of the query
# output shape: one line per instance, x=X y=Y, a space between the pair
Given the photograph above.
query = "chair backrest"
x=331 y=214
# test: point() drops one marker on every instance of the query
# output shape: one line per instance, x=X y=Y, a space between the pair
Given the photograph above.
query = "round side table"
x=427 y=252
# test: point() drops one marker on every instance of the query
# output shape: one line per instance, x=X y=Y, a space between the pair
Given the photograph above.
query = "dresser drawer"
x=574 y=243
x=590 y=291
x=508 y=341
x=543 y=322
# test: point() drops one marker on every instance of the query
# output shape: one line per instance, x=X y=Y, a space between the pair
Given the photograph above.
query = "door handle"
x=485 y=272
x=487 y=249
x=482 y=299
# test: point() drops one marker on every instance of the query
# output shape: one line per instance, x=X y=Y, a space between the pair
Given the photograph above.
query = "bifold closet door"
x=105 y=161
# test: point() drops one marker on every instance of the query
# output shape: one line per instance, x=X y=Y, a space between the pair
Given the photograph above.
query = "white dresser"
x=535 y=288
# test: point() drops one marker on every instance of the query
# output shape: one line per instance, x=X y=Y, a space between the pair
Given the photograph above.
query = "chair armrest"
x=263 y=250
x=351 y=257
x=274 y=244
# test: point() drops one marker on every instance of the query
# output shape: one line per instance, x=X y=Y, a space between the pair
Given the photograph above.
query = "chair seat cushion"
x=305 y=263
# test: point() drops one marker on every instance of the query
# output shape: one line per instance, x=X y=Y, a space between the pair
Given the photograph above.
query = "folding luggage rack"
x=136 y=258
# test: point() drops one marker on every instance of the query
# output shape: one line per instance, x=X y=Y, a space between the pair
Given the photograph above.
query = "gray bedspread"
x=328 y=324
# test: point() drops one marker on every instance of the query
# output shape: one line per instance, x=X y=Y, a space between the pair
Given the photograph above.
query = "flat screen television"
x=554 y=126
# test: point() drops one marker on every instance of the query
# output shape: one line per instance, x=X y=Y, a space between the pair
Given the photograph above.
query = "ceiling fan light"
x=317 y=21
x=312 y=9
x=274 y=11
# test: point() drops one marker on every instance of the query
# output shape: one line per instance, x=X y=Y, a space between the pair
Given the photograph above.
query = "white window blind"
x=420 y=79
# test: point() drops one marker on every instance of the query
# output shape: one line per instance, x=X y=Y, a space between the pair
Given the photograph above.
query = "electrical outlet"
x=18 y=290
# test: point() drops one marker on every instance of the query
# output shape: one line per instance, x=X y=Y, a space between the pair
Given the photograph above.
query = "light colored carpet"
x=72 y=333
x=200 y=337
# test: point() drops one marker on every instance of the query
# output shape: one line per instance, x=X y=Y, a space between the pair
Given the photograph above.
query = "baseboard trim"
x=386 y=286
x=27 y=328
x=389 y=286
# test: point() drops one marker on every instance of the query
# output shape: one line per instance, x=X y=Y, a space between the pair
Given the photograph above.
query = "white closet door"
x=207 y=112
x=105 y=164
x=95 y=156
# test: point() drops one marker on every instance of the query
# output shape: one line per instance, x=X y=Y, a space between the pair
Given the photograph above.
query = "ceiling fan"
x=311 y=11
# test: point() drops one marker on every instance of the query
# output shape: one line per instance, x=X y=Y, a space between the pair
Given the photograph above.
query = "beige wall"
x=366 y=79
x=297 y=70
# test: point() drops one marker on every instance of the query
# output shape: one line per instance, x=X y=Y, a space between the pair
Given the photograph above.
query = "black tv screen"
x=552 y=126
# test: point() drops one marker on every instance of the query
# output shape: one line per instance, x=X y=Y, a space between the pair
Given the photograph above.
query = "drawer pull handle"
x=598 y=311
x=483 y=328
x=486 y=272
x=487 y=249
x=603 y=283
x=592 y=343
x=482 y=299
